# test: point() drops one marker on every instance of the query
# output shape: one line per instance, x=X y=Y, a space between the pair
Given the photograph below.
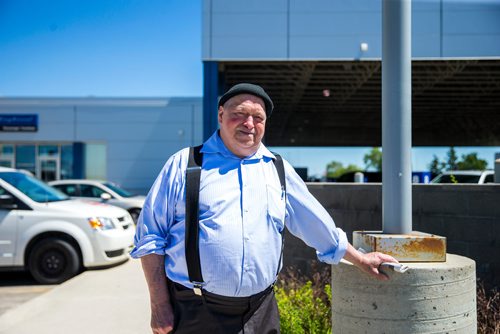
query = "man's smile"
x=247 y=133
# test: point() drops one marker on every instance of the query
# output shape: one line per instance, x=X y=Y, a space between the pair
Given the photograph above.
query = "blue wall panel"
x=471 y=28
x=248 y=6
x=335 y=5
x=253 y=35
x=211 y=84
x=426 y=29
x=334 y=29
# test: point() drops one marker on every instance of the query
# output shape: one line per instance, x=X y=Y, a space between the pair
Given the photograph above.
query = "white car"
x=465 y=176
x=102 y=191
x=54 y=237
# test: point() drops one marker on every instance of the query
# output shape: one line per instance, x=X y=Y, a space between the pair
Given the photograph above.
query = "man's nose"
x=249 y=121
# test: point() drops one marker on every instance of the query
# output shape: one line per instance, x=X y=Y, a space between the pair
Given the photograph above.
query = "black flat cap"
x=248 y=88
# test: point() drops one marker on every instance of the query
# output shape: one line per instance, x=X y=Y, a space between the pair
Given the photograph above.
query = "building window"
x=90 y=191
x=67 y=162
x=56 y=161
x=26 y=158
x=6 y=155
x=95 y=161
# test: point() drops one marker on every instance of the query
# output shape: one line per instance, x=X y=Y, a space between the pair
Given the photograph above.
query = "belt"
x=182 y=291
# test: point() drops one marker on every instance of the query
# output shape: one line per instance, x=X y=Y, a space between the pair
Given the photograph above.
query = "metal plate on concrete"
x=413 y=247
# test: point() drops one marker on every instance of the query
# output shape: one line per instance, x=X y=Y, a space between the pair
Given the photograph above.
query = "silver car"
x=102 y=191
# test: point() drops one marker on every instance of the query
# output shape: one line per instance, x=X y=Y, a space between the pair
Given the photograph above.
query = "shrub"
x=304 y=302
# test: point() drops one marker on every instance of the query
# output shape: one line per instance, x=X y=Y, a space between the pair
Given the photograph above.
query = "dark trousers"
x=213 y=313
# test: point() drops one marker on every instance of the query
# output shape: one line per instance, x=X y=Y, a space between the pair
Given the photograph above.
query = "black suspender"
x=193 y=173
x=280 y=168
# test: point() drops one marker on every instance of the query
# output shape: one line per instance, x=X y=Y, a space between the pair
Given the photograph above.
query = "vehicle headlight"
x=102 y=223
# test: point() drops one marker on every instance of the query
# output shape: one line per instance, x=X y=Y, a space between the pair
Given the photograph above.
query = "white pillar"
x=396 y=117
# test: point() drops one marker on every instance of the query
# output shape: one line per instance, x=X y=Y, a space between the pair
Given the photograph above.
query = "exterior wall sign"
x=19 y=123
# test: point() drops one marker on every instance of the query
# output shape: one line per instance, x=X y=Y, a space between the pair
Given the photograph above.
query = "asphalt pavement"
x=18 y=287
x=113 y=300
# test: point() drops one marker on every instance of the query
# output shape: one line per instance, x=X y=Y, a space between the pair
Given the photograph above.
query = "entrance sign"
x=19 y=123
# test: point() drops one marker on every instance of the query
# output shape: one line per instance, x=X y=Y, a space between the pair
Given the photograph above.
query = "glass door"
x=49 y=169
x=49 y=163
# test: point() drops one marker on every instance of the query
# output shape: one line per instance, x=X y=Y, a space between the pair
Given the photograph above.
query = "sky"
x=100 y=48
x=131 y=48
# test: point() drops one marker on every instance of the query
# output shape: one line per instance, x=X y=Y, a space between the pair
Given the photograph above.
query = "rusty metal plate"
x=413 y=247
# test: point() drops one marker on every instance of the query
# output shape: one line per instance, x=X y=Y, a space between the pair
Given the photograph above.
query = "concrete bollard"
x=432 y=297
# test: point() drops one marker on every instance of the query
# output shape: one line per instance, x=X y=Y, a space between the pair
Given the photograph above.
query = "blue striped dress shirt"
x=242 y=212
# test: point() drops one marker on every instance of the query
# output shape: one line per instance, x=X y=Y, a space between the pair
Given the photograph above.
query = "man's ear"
x=219 y=116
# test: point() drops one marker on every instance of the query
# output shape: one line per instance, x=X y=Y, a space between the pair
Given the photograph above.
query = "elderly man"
x=243 y=207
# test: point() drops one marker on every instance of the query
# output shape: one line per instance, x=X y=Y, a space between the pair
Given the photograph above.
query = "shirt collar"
x=214 y=144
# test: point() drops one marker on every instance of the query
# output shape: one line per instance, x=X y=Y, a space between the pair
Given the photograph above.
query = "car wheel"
x=53 y=261
x=135 y=214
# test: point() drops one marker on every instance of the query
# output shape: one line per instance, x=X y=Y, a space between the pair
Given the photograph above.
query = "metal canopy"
x=455 y=102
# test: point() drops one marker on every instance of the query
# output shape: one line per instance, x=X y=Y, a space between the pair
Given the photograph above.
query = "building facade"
x=124 y=140
x=320 y=60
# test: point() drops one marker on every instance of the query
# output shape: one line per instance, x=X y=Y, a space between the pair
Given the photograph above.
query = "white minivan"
x=54 y=237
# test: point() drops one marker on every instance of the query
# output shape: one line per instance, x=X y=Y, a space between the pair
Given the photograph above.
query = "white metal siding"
x=334 y=29
x=139 y=137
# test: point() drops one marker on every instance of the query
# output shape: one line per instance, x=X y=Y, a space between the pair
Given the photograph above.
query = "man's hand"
x=162 y=315
x=370 y=262
x=162 y=318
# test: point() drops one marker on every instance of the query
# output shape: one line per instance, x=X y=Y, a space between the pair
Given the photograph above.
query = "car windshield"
x=33 y=188
x=120 y=191
x=457 y=178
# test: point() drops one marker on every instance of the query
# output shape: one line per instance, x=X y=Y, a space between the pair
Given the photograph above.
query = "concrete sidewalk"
x=113 y=300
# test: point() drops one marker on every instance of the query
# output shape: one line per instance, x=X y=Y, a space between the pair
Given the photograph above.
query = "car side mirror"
x=8 y=202
x=105 y=196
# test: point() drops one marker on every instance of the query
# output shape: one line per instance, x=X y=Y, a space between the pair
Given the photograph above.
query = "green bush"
x=304 y=304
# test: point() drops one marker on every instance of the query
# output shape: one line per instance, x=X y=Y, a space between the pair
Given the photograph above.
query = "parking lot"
x=112 y=300
x=16 y=288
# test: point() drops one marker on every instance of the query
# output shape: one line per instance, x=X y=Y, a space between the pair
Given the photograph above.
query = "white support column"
x=396 y=117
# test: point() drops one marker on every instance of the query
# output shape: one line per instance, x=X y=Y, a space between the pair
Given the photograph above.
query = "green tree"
x=468 y=162
x=471 y=161
x=335 y=169
x=436 y=167
x=451 y=163
x=373 y=159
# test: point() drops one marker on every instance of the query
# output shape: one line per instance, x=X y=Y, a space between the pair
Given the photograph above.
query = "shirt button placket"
x=244 y=189
x=245 y=202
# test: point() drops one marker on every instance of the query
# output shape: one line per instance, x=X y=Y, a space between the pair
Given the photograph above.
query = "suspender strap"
x=280 y=168
x=193 y=173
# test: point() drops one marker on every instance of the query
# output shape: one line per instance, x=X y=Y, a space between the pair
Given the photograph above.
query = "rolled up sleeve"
x=337 y=253
x=158 y=212
x=148 y=244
